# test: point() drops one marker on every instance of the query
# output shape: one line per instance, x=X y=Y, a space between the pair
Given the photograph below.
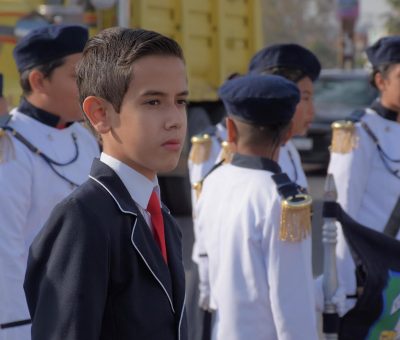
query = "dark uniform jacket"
x=95 y=271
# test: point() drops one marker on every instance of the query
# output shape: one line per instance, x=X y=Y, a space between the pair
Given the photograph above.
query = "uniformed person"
x=255 y=222
x=301 y=66
x=365 y=159
x=45 y=154
x=293 y=62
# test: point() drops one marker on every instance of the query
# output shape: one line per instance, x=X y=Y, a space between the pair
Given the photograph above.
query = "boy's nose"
x=177 y=119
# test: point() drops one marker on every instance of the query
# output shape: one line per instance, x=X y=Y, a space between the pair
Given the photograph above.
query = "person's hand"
x=339 y=300
x=204 y=302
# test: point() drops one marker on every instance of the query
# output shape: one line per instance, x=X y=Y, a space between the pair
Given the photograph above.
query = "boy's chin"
x=168 y=167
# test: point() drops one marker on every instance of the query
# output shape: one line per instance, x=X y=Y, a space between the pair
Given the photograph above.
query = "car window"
x=336 y=98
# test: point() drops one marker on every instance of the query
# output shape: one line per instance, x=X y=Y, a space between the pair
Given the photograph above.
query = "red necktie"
x=154 y=209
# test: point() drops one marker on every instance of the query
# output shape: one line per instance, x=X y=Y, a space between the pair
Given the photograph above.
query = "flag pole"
x=330 y=281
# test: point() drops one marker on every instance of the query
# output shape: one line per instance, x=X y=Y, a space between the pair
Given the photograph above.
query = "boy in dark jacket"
x=108 y=263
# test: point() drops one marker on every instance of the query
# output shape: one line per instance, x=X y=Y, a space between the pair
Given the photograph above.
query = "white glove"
x=338 y=299
x=204 y=302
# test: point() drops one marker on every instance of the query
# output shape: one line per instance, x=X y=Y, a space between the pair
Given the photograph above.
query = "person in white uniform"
x=291 y=61
x=255 y=222
x=45 y=154
x=301 y=66
x=365 y=160
x=294 y=62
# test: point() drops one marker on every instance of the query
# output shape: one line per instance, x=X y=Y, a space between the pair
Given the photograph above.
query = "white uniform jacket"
x=29 y=191
x=198 y=171
x=261 y=287
x=367 y=190
x=289 y=161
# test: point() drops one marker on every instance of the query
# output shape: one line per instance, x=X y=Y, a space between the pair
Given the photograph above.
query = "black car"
x=337 y=93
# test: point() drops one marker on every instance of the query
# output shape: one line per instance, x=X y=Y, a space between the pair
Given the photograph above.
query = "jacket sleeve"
x=67 y=275
x=15 y=199
x=290 y=281
x=350 y=172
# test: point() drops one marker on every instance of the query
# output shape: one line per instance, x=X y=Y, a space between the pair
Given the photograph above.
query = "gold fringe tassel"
x=226 y=152
x=295 y=218
x=201 y=148
x=344 y=138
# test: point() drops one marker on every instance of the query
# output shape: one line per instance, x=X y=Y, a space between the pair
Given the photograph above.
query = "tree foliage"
x=311 y=23
x=393 y=19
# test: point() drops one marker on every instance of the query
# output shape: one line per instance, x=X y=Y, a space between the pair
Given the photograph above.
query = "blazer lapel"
x=141 y=238
x=144 y=243
x=175 y=265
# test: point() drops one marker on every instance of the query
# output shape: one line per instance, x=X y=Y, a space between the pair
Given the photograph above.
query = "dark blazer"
x=95 y=271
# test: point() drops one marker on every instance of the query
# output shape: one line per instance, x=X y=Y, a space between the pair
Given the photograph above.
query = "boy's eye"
x=182 y=102
x=153 y=102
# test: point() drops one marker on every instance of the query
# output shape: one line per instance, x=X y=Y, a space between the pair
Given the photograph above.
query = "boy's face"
x=389 y=87
x=62 y=91
x=149 y=131
x=304 y=114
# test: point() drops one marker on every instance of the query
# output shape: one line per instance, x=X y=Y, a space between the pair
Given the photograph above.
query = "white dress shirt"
x=139 y=187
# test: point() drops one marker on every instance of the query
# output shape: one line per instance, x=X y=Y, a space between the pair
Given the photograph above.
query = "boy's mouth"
x=172 y=144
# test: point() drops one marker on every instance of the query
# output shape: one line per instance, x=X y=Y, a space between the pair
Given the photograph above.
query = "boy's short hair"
x=46 y=69
x=107 y=65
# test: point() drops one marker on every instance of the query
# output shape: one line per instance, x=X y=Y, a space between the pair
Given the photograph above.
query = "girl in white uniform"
x=259 y=262
x=366 y=168
x=45 y=154
x=301 y=66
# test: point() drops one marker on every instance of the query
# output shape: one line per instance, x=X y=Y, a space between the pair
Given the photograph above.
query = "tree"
x=310 y=23
x=393 y=19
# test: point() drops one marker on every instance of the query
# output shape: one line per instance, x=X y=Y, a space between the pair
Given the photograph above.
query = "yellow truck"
x=218 y=38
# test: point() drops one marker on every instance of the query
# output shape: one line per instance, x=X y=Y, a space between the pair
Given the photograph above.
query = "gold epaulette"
x=7 y=150
x=226 y=152
x=344 y=137
x=295 y=218
x=201 y=148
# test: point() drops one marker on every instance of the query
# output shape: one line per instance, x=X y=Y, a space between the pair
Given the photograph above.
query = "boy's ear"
x=289 y=133
x=36 y=81
x=232 y=131
x=95 y=109
x=379 y=81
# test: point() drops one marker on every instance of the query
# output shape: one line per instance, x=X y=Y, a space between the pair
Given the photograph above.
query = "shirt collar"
x=256 y=163
x=383 y=111
x=138 y=186
x=38 y=114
